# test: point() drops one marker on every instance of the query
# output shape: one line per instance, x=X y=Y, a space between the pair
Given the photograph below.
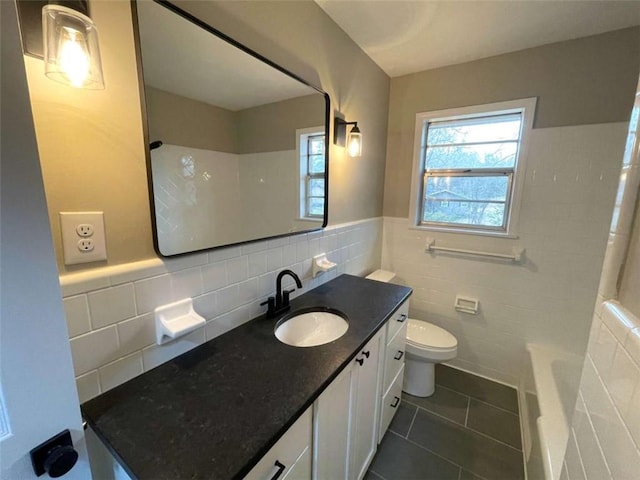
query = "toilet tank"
x=382 y=276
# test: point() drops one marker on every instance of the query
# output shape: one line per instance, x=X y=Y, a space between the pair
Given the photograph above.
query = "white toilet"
x=427 y=344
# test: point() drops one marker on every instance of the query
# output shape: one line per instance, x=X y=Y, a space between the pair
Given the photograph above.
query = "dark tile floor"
x=468 y=430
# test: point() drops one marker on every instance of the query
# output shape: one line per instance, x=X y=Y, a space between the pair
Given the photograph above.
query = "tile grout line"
x=446 y=459
x=470 y=429
x=494 y=439
x=376 y=474
x=478 y=399
x=496 y=407
x=466 y=417
x=438 y=455
x=430 y=411
x=415 y=414
x=466 y=424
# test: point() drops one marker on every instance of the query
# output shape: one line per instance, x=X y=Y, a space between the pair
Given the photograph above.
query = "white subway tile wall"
x=606 y=419
x=110 y=311
x=606 y=423
x=569 y=191
x=76 y=310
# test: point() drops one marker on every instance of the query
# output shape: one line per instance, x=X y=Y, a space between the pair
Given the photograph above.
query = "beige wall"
x=182 y=121
x=179 y=120
x=301 y=38
x=272 y=127
x=91 y=143
x=577 y=82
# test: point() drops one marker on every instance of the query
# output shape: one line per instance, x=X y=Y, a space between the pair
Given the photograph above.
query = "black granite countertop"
x=214 y=411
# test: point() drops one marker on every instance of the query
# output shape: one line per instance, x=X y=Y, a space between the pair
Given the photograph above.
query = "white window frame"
x=527 y=108
x=303 y=175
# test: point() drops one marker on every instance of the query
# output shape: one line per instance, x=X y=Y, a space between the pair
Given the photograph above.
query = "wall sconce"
x=353 y=143
x=65 y=37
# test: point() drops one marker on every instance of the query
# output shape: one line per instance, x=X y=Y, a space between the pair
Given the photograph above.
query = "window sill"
x=480 y=233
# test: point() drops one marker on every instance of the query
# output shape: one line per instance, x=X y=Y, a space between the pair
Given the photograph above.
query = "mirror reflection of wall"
x=243 y=154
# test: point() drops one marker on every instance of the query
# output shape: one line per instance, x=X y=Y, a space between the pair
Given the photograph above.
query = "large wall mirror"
x=238 y=146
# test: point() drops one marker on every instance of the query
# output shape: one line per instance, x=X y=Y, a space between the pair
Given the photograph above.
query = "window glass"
x=468 y=168
x=468 y=200
x=475 y=130
x=316 y=206
x=311 y=152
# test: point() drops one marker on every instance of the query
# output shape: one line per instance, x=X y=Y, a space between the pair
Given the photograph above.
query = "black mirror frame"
x=145 y=122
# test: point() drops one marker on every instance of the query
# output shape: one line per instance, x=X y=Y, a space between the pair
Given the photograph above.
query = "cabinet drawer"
x=301 y=470
x=394 y=356
x=286 y=452
x=390 y=403
x=397 y=320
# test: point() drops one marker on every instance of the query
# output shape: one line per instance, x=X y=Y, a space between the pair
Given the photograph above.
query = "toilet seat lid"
x=426 y=334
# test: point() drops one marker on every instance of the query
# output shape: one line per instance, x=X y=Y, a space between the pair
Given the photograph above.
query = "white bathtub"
x=547 y=396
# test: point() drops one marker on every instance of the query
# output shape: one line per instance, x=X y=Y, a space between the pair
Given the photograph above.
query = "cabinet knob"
x=279 y=468
x=367 y=353
x=360 y=361
x=398 y=355
x=396 y=401
x=402 y=318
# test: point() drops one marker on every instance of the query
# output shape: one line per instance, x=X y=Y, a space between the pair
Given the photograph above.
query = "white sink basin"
x=311 y=328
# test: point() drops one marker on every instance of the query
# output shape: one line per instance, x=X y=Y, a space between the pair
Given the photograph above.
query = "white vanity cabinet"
x=290 y=457
x=394 y=353
x=349 y=418
x=346 y=417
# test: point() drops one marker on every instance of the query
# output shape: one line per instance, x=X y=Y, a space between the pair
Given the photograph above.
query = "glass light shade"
x=71 y=51
x=354 y=142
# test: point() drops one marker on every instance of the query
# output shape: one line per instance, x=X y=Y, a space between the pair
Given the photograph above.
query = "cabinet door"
x=365 y=409
x=281 y=459
x=331 y=429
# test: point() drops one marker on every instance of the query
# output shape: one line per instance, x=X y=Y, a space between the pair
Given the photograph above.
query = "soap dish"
x=322 y=264
x=175 y=320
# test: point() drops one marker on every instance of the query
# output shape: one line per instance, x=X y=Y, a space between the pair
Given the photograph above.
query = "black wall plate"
x=56 y=456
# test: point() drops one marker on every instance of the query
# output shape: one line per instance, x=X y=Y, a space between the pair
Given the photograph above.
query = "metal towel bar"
x=516 y=256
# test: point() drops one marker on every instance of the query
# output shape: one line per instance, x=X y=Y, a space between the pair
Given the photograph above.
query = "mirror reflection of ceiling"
x=167 y=67
x=411 y=36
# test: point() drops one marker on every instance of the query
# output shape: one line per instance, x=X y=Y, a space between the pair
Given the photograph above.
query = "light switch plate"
x=77 y=246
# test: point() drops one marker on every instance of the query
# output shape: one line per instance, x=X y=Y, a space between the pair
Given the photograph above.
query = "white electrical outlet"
x=83 y=237
x=86 y=245
x=85 y=229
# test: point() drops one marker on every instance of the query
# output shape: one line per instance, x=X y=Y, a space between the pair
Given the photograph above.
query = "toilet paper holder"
x=467 y=305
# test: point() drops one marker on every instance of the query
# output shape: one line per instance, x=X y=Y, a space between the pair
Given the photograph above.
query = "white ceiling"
x=410 y=36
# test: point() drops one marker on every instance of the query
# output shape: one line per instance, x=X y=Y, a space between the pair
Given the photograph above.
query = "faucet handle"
x=285 y=296
x=271 y=305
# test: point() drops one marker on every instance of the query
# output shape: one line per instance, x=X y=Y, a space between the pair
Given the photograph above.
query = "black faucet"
x=280 y=303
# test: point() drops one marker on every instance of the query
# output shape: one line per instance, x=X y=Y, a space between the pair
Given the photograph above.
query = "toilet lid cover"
x=429 y=335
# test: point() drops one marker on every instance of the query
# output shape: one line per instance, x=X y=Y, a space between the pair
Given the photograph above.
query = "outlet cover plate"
x=69 y=222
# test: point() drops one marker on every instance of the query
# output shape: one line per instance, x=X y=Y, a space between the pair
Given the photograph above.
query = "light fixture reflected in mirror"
x=353 y=142
x=63 y=34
